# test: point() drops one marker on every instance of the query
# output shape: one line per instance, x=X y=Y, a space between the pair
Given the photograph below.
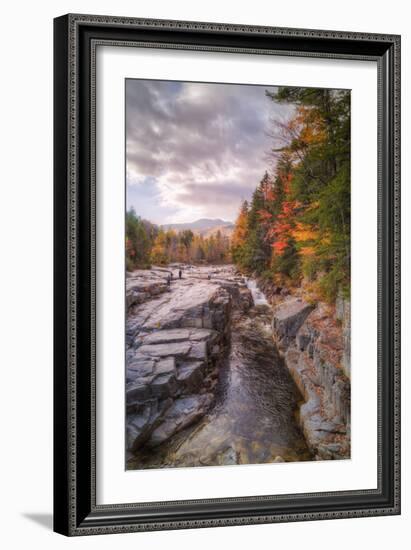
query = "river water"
x=259 y=298
x=254 y=417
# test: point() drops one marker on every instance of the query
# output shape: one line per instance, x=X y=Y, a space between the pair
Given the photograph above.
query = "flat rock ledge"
x=170 y=379
x=141 y=285
x=313 y=343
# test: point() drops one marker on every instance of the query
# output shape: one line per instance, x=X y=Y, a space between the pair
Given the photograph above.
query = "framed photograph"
x=227 y=279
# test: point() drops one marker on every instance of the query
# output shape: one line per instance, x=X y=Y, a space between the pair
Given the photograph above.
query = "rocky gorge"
x=217 y=375
x=313 y=341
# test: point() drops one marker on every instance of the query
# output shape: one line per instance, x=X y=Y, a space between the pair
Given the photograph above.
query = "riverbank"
x=314 y=340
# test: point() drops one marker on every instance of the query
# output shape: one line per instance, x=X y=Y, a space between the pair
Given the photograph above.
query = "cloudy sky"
x=193 y=149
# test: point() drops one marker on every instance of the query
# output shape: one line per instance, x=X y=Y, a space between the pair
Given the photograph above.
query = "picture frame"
x=76 y=38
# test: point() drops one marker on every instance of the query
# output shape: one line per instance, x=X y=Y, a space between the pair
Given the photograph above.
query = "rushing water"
x=259 y=298
x=254 y=418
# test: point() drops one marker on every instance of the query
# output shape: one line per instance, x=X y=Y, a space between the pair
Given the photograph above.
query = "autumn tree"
x=298 y=222
x=256 y=252
x=159 y=252
x=319 y=145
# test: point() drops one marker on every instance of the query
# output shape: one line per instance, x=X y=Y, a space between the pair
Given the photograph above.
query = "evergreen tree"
x=256 y=251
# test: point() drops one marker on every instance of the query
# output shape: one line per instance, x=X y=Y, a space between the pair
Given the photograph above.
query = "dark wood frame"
x=76 y=38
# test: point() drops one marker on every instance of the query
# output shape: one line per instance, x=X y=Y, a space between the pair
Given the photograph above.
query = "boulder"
x=165 y=366
x=140 y=425
x=142 y=367
x=164 y=385
x=184 y=412
x=288 y=317
x=190 y=376
x=198 y=351
x=136 y=392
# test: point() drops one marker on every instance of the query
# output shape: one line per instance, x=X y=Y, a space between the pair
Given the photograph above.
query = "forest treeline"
x=297 y=224
x=148 y=244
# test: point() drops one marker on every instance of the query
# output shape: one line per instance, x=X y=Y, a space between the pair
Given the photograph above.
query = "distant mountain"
x=226 y=230
x=204 y=226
